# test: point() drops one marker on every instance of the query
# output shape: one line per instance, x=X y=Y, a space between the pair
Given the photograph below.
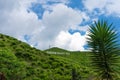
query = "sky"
x=56 y=23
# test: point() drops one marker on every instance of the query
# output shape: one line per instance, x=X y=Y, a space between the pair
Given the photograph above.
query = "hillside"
x=78 y=57
x=19 y=61
x=75 y=58
x=56 y=49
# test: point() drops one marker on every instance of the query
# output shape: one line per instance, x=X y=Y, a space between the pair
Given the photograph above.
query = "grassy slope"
x=82 y=59
x=56 y=49
x=43 y=66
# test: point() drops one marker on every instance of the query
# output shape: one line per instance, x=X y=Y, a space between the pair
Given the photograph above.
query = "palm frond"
x=103 y=42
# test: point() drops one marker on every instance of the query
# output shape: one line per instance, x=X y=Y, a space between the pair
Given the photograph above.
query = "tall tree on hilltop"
x=102 y=39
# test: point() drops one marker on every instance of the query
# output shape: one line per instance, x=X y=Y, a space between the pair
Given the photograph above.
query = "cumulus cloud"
x=17 y=21
x=60 y=19
x=71 y=42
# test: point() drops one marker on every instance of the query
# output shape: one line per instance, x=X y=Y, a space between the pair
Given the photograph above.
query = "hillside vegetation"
x=19 y=61
x=82 y=59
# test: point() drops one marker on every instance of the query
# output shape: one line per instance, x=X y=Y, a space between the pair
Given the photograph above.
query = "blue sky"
x=59 y=23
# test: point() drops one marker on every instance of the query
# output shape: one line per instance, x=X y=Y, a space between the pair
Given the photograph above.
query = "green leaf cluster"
x=103 y=42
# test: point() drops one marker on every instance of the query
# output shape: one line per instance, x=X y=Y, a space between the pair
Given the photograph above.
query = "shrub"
x=11 y=66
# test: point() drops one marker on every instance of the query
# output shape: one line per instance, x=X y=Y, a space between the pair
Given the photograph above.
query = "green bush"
x=10 y=66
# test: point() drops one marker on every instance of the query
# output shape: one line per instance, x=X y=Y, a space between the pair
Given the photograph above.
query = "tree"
x=102 y=39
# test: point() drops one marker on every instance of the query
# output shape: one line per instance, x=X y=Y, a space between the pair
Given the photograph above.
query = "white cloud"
x=107 y=7
x=60 y=19
x=113 y=7
x=92 y=4
x=18 y=21
x=71 y=42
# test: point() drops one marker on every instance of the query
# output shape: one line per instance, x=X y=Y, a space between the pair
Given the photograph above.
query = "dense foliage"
x=12 y=68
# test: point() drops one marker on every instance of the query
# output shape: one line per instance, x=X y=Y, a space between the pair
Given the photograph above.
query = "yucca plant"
x=102 y=40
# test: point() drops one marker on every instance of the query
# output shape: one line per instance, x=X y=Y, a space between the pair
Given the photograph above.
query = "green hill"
x=19 y=61
x=76 y=58
x=56 y=49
